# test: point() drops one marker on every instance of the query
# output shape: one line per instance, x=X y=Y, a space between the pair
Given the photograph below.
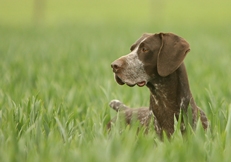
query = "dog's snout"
x=116 y=65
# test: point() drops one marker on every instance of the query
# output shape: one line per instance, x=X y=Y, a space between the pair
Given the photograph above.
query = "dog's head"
x=151 y=55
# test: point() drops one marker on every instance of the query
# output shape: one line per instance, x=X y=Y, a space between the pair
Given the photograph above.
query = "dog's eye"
x=144 y=49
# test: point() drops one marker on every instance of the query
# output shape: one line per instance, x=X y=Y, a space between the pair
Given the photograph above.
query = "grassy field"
x=56 y=81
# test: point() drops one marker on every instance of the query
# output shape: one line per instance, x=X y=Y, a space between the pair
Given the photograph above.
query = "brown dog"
x=156 y=60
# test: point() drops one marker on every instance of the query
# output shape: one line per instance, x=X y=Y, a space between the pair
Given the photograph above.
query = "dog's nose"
x=116 y=65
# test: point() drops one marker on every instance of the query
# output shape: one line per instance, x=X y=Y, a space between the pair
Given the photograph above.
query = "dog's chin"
x=120 y=82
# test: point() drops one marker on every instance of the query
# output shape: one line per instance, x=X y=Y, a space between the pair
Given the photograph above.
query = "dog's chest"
x=163 y=101
x=163 y=106
x=159 y=95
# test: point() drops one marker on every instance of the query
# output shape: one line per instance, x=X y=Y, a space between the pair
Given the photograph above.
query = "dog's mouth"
x=120 y=82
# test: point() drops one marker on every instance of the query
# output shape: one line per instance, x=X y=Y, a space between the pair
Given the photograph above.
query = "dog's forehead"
x=143 y=38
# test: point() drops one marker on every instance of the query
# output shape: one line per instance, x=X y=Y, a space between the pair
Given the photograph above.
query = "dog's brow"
x=133 y=47
x=142 y=42
x=137 y=44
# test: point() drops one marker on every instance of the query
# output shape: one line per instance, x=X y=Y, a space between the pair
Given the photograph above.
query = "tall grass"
x=56 y=81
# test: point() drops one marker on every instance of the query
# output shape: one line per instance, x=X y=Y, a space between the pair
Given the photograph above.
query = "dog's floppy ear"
x=171 y=54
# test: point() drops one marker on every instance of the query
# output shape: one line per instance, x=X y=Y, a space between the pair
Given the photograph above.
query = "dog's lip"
x=120 y=81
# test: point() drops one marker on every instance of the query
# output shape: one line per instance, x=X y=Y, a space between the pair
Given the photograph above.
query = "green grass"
x=56 y=81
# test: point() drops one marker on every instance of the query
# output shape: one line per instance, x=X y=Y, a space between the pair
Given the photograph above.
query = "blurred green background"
x=56 y=81
x=48 y=31
x=153 y=12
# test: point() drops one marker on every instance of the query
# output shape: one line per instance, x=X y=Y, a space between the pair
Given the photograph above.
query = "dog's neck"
x=168 y=96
